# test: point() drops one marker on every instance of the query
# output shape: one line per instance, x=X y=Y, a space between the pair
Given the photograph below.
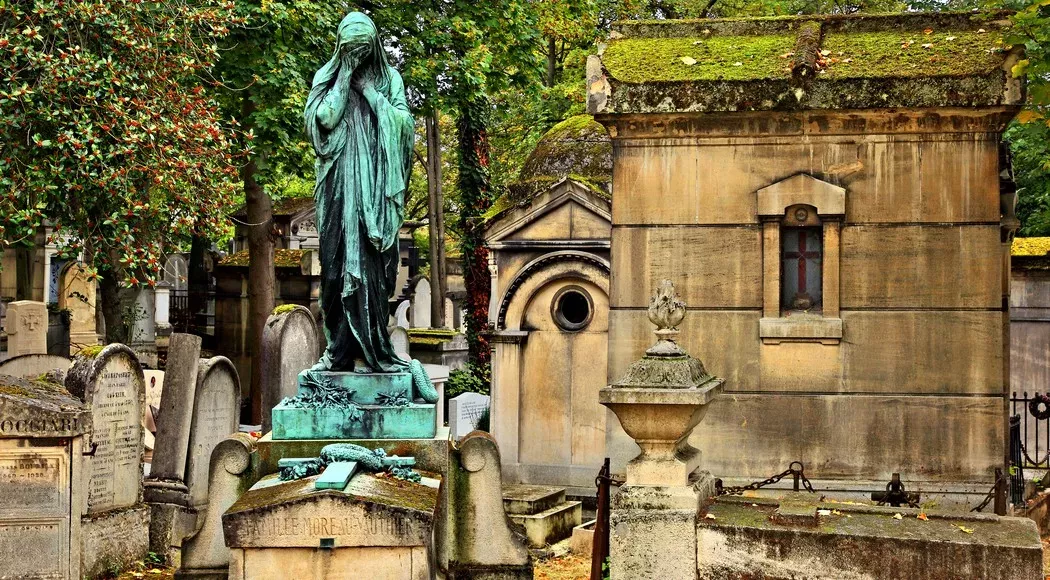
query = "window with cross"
x=801 y=269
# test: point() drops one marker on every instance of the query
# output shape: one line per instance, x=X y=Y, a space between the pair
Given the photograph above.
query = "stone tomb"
x=42 y=438
x=290 y=345
x=115 y=525
x=376 y=527
x=465 y=412
x=26 y=326
x=838 y=236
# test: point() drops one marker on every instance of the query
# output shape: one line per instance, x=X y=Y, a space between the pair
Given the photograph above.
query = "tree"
x=108 y=134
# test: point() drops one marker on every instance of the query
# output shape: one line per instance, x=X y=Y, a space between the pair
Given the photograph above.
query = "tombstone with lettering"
x=465 y=412
x=372 y=527
x=26 y=325
x=115 y=523
x=290 y=346
x=31 y=366
x=42 y=437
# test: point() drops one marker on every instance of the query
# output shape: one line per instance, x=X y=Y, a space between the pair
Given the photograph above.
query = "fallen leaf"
x=964 y=529
x=710 y=516
x=738 y=63
x=928 y=31
x=137 y=574
x=836 y=512
x=706 y=31
x=898 y=517
x=981 y=31
x=825 y=52
x=823 y=512
x=688 y=60
x=928 y=45
x=922 y=517
x=950 y=38
x=754 y=505
x=847 y=60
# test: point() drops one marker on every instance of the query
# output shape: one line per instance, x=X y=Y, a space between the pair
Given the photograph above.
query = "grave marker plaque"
x=112 y=385
x=464 y=412
x=215 y=416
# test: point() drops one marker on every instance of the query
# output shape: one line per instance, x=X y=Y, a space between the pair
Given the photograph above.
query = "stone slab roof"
x=805 y=62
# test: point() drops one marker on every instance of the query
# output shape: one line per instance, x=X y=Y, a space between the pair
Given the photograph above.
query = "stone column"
x=659 y=400
x=162 y=302
x=166 y=483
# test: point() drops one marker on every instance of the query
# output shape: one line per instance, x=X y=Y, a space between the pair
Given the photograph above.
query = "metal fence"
x=1033 y=412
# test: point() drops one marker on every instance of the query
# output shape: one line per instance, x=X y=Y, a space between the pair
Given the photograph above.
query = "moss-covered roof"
x=811 y=62
x=577 y=148
x=1030 y=247
x=281 y=258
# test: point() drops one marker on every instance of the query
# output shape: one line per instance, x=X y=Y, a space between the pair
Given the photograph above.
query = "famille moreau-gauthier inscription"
x=40 y=427
x=113 y=387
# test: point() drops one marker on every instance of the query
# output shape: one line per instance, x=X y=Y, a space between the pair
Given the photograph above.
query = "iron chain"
x=791 y=470
x=991 y=494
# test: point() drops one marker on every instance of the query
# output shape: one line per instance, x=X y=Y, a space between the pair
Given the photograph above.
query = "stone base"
x=414 y=421
x=551 y=525
x=742 y=541
x=113 y=540
x=431 y=453
x=653 y=533
x=581 y=542
x=367 y=387
x=169 y=524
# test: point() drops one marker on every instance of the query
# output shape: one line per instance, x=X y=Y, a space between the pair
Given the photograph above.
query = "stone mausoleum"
x=824 y=192
x=549 y=242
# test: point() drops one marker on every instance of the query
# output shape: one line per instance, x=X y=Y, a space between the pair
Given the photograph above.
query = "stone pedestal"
x=348 y=405
x=653 y=532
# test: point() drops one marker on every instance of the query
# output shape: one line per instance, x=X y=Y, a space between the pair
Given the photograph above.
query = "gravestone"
x=401 y=314
x=175 y=512
x=114 y=529
x=290 y=346
x=421 y=305
x=464 y=412
x=42 y=429
x=76 y=293
x=31 y=366
x=399 y=340
x=26 y=326
x=166 y=483
x=143 y=336
x=450 y=314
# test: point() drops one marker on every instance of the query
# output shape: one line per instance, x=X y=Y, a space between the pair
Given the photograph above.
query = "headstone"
x=290 y=346
x=215 y=417
x=32 y=366
x=115 y=526
x=26 y=328
x=167 y=482
x=143 y=336
x=231 y=471
x=401 y=314
x=464 y=412
x=42 y=430
x=399 y=339
x=483 y=541
x=76 y=293
x=162 y=307
x=421 y=305
x=450 y=314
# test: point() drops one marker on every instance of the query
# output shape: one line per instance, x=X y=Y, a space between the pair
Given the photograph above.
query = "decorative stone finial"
x=666 y=311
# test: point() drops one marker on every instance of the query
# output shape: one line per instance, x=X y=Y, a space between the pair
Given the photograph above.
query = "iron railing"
x=1033 y=412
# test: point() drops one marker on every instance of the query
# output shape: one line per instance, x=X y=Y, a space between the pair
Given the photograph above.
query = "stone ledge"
x=800 y=328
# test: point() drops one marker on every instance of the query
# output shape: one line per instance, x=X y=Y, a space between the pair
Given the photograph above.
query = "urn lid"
x=665 y=365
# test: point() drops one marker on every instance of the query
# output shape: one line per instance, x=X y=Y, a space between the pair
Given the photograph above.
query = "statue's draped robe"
x=363 y=166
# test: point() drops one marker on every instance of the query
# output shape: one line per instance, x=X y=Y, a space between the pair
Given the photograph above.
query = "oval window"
x=572 y=308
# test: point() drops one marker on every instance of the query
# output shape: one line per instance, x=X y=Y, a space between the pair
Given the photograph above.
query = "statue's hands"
x=361 y=84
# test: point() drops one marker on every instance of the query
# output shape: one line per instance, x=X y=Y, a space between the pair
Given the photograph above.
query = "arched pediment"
x=543 y=270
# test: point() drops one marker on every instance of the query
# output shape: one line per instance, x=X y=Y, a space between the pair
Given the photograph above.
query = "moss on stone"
x=283 y=309
x=1030 y=247
x=430 y=336
x=731 y=58
x=911 y=54
x=91 y=351
x=281 y=258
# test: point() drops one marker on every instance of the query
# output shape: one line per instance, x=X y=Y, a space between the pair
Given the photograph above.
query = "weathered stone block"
x=114 y=539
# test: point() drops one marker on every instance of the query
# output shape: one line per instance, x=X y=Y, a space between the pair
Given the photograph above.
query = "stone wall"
x=915 y=384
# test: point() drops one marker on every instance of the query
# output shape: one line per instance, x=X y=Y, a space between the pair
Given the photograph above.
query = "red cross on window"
x=801 y=259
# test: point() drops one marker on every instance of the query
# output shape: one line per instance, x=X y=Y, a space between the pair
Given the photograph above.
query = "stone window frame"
x=829 y=201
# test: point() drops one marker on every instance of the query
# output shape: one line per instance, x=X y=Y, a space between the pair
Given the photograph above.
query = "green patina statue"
x=360 y=126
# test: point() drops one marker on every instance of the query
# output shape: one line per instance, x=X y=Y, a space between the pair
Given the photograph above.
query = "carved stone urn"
x=661 y=398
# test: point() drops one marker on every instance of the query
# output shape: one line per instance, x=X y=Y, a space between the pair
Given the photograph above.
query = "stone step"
x=552 y=525
x=524 y=499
